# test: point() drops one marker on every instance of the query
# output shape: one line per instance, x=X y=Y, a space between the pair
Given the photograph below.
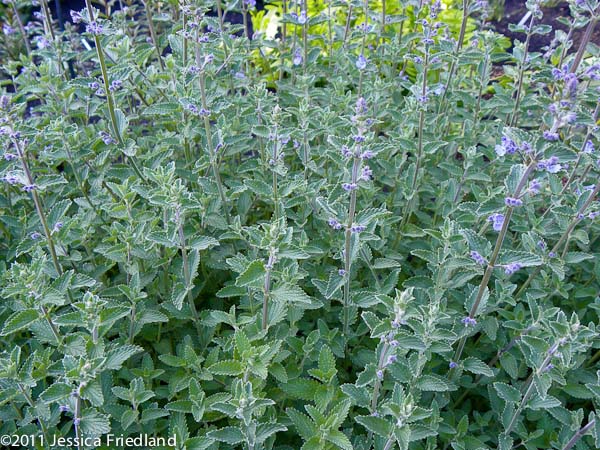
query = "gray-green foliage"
x=360 y=232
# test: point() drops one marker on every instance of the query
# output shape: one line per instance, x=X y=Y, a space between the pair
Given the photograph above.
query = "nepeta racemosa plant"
x=318 y=225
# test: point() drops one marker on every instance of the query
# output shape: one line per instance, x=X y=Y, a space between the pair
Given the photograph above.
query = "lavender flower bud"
x=469 y=321
x=478 y=258
x=297 y=60
x=348 y=187
x=497 y=221
x=452 y=365
x=35 y=235
x=513 y=202
x=361 y=62
x=509 y=269
x=379 y=374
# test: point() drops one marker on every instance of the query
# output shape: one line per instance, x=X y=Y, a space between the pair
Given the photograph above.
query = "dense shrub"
x=362 y=226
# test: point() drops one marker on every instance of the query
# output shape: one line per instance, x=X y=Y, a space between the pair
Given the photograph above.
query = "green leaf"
x=326 y=360
x=161 y=109
x=19 y=320
x=266 y=430
x=507 y=392
x=434 y=383
x=202 y=242
x=122 y=122
x=230 y=435
x=117 y=356
x=227 y=367
x=94 y=423
x=56 y=392
x=377 y=425
x=290 y=293
x=252 y=275
x=339 y=439
x=477 y=367
x=304 y=425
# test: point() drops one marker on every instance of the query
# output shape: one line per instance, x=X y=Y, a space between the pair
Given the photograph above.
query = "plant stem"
x=186 y=270
x=490 y=267
x=580 y=433
x=30 y=402
x=563 y=238
x=21 y=27
x=108 y=93
x=583 y=44
x=267 y=288
x=515 y=113
x=347 y=246
x=153 y=34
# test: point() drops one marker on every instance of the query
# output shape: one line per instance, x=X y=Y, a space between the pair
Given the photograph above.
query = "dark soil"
x=514 y=10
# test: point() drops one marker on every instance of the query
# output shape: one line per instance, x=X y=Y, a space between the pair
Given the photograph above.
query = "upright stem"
x=583 y=44
x=211 y=150
x=30 y=402
x=492 y=262
x=347 y=246
x=77 y=419
x=515 y=113
x=267 y=289
x=38 y=207
x=580 y=433
x=153 y=34
x=186 y=271
x=563 y=238
x=108 y=93
x=21 y=27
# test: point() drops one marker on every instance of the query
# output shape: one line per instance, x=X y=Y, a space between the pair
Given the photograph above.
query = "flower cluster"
x=497 y=221
x=550 y=165
x=478 y=258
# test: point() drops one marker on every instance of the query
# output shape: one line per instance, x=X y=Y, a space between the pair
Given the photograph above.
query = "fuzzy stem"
x=267 y=289
x=186 y=271
x=21 y=27
x=347 y=244
x=153 y=33
x=580 y=433
x=515 y=113
x=30 y=402
x=109 y=98
x=76 y=419
x=583 y=44
x=562 y=239
x=490 y=267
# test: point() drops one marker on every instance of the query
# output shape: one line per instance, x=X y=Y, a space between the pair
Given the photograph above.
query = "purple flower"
x=588 y=147
x=478 y=258
x=35 y=235
x=193 y=108
x=506 y=145
x=297 y=60
x=509 y=269
x=452 y=365
x=64 y=408
x=497 y=221
x=367 y=173
x=302 y=18
x=557 y=74
x=549 y=367
x=42 y=42
x=11 y=179
x=541 y=244
x=346 y=152
x=204 y=112
x=357 y=228
x=57 y=227
x=593 y=214
x=418 y=60
x=106 y=138
x=348 y=187
x=367 y=154
x=396 y=323
x=361 y=62
x=379 y=374
x=7 y=29
x=469 y=321
x=341 y=272
x=361 y=106
x=550 y=135
x=94 y=28
x=513 y=202
x=76 y=421
x=94 y=85
x=551 y=165
x=250 y=4
x=10 y=156
x=333 y=223
x=534 y=187
x=552 y=254
x=571 y=84
x=394 y=343
x=115 y=85
x=29 y=187
x=391 y=359
x=76 y=16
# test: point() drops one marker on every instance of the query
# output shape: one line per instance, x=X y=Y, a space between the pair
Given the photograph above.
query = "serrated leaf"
x=477 y=367
x=377 y=425
x=56 y=392
x=93 y=423
x=19 y=320
x=227 y=367
x=117 y=356
x=507 y=392
x=253 y=274
x=161 y=109
x=230 y=435
x=434 y=383
x=304 y=425
x=290 y=293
